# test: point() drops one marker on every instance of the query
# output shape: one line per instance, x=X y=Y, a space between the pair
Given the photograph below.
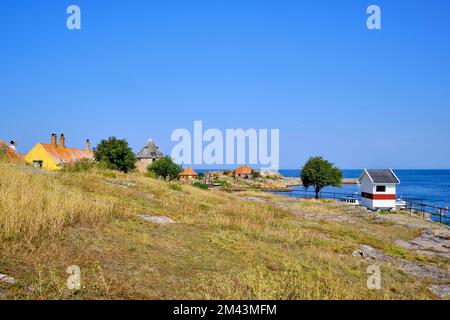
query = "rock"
x=419 y=270
x=255 y=199
x=441 y=233
x=122 y=184
x=435 y=241
x=442 y=291
x=156 y=219
x=7 y=279
x=403 y=244
x=372 y=254
x=425 y=252
x=424 y=270
x=379 y=219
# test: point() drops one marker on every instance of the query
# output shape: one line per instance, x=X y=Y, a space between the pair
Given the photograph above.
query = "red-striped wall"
x=377 y=196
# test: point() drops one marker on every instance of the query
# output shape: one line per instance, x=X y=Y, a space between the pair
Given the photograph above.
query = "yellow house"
x=52 y=156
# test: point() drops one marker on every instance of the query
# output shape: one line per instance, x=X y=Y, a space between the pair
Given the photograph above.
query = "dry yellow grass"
x=35 y=204
x=220 y=247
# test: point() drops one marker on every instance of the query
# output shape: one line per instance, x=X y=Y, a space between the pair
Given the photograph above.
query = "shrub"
x=200 y=185
x=108 y=174
x=256 y=174
x=82 y=165
x=175 y=187
x=224 y=184
x=166 y=168
x=151 y=174
x=115 y=154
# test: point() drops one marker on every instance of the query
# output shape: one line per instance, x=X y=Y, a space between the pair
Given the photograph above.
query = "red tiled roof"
x=67 y=155
x=243 y=170
x=11 y=155
x=188 y=172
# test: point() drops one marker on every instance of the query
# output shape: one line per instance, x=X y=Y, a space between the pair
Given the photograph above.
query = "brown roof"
x=243 y=170
x=67 y=155
x=188 y=172
x=11 y=155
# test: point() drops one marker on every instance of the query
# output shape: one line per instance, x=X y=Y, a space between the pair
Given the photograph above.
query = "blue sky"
x=312 y=69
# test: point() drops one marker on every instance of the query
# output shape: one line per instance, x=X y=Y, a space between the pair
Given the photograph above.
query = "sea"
x=430 y=186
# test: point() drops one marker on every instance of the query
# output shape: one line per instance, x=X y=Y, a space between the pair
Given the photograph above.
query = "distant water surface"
x=431 y=185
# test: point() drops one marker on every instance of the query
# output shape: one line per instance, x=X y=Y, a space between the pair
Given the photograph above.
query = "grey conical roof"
x=149 y=151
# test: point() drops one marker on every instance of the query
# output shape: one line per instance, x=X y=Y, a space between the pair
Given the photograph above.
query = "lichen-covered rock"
x=442 y=291
x=156 y=219
x=420 y=270
x=7 y=279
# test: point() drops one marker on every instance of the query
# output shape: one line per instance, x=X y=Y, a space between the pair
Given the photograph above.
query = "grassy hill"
x=245 y=245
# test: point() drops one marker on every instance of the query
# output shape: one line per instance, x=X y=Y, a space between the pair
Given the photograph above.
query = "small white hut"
x=378 y=189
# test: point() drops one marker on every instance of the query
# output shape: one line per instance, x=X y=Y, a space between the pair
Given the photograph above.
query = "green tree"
x=320 y=173
x=115 y=154
x=165 y=167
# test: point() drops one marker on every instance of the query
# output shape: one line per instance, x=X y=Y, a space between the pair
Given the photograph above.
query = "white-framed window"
x=38 y=164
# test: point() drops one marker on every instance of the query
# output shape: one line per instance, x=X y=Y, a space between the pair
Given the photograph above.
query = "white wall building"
x=378 y=189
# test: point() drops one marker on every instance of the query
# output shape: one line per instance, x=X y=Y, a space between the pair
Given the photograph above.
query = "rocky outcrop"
x=430 y=242
x=122 y=184
x=156 y=219
x=420 y=270
x=442 y=291
x=7 y=279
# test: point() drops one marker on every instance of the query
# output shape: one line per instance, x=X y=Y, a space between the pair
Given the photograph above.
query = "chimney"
x=62 y=141
x=13 y=145
x=88 y=145
x=53 y=140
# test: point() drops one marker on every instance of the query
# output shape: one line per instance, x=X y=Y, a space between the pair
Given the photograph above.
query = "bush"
x=166 y=168
x=82 y=165
x=175 y=187
x=200 y=185
x=108 y=174
x=151 y=174
x=256 y=174
x=115 y=154
x=224 y=184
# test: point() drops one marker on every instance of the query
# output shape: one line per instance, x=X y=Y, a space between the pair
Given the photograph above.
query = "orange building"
x=188 y=174
x=10 y=154
x=244 y=172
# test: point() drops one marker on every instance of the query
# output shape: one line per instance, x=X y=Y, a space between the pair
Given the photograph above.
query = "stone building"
x=148 y=154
